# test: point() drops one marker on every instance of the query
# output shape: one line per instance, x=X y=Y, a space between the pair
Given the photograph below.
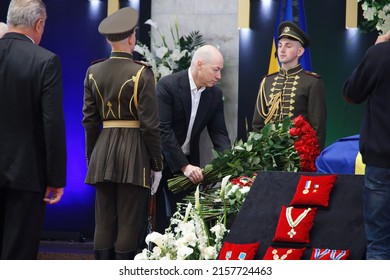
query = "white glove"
x=156 y=178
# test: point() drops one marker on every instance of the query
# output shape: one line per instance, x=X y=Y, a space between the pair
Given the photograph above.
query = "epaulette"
x=313 y=74
x=143 y=63
x=98 y=60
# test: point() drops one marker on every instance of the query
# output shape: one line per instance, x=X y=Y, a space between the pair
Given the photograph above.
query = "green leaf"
x=239 y=148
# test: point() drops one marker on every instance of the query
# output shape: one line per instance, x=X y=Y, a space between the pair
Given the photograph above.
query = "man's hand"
x=53 y=195
x=155 y=181
x=194 y=173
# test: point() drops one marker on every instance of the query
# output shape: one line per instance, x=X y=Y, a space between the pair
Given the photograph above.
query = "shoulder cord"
x=272 y=105
x=136 y=86
x=135 y=93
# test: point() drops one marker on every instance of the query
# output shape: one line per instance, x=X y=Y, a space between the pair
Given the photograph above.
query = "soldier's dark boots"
x=105 y=254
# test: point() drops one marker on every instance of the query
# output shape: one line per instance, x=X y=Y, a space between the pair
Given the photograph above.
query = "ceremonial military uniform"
x=292 y=92
x=121 y=122
x=120 y=93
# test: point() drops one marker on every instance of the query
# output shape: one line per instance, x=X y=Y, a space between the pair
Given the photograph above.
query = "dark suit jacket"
x=32 y=128
x=174 y=97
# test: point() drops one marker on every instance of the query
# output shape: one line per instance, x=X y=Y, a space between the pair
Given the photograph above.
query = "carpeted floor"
x=66 y=250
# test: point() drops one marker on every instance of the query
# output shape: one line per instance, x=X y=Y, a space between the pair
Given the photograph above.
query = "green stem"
x=224 y=212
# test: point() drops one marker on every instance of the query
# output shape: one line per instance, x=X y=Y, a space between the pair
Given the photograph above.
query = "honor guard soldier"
x=123 y=156
x=292 y=91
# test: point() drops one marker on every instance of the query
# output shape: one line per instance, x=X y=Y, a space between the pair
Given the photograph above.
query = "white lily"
x=152 y=23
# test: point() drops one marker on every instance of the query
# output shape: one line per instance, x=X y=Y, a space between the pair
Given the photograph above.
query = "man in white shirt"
x=189 y=102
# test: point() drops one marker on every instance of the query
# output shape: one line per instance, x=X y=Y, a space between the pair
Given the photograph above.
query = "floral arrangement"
x=187 y=238
x=165 y=60
x=289 y=145
x=197 y=233
x=376 y=14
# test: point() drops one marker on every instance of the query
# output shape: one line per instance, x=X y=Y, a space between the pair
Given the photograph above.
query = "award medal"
x=276 y=256
x=334 y=254
x=295 y=223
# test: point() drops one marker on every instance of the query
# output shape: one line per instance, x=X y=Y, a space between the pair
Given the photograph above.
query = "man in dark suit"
x=189 y=102
x=32 y=129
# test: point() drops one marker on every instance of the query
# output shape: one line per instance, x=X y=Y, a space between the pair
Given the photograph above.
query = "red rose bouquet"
x=305 y=143
x=289 y=145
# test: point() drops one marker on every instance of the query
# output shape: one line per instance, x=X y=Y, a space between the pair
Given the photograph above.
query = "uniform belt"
x=121 y=123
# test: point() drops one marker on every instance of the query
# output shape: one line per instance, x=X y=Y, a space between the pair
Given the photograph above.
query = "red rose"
x=299 y=121
x=294 y=131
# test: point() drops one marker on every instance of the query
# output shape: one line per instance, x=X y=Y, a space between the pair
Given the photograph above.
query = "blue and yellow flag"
x=287 y=12
x=342 y=157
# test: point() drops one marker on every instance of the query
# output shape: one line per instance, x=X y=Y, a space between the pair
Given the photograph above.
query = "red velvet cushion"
x=300 y=232
x=328 y=254
x=313 y=190
x=284 y=253
x=233 y=251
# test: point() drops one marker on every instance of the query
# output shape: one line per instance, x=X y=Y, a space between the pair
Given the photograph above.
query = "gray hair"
x=25 y=12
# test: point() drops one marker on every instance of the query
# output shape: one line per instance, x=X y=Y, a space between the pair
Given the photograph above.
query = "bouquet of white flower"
x=187 y=238
x=376 y=14
x=165 y=60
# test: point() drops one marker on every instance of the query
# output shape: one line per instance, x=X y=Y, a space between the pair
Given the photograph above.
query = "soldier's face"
x=289 y=51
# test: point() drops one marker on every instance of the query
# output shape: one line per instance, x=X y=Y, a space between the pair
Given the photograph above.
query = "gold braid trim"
x=275 y=102
x=259 y=101
x=90 y=77
x=271 y=105
x=135 y=95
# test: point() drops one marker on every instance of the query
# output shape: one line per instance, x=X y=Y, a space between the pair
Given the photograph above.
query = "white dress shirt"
x=195 y=98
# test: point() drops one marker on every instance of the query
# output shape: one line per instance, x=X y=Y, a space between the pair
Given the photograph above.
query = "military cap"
x=291 y=30
x=119 y=25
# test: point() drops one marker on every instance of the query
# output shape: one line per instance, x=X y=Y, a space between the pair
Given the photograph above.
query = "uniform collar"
x=117 y=54
x=290 y=71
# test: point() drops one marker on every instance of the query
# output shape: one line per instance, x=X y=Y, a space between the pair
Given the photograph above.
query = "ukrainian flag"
x=342 y=157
